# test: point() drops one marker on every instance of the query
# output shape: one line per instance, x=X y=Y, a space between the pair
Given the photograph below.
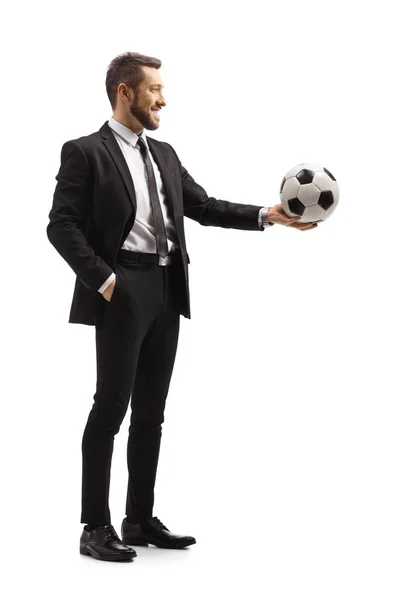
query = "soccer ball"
x=309 y=191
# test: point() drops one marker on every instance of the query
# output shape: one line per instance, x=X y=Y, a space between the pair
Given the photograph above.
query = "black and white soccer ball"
x=309 y=191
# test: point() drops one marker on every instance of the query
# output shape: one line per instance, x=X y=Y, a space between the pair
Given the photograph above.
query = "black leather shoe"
x=152 y=531
x=103 y=543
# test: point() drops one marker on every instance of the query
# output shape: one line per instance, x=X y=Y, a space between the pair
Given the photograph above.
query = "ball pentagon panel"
x=305 y=176
x=326 y=200
x=296 y=206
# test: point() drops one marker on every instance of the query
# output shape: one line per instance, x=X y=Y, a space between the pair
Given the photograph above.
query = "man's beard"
x=143 y=116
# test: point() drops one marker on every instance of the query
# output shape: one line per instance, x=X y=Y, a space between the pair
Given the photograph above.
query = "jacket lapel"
x=115 y=151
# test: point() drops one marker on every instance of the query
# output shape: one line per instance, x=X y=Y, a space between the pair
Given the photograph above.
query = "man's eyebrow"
x=157 y=85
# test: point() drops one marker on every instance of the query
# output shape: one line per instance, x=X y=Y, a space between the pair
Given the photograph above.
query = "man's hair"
x=127 y=68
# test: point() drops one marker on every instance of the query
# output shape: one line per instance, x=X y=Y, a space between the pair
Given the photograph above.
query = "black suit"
x=93 y=211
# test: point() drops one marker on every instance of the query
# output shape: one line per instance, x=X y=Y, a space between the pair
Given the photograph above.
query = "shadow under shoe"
x=103 y=543
x=152 y=531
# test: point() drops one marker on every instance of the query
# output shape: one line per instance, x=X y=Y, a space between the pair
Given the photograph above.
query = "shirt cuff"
x=259 y=218
x=264 y=208
x=106 y=283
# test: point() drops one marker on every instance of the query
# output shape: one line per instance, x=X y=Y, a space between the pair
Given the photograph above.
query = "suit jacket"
x=94 y=208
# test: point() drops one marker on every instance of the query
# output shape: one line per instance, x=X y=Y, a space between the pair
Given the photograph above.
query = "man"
x=117 y=219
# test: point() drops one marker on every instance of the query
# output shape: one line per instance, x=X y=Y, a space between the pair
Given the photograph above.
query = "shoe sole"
x=139 y=542
x=114 y=558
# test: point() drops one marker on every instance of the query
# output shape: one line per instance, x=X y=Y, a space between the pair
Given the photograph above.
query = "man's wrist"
x=264 y=217
x=106 y=283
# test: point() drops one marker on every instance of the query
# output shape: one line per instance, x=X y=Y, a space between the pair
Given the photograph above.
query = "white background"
x=280 y=449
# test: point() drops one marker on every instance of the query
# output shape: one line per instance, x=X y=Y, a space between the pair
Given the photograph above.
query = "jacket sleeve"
x=207 y=210
x=69 y=217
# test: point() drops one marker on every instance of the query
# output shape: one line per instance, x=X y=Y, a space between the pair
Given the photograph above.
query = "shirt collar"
x=127 y=134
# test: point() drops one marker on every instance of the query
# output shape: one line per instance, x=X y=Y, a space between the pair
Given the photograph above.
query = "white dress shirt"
x=141 y=237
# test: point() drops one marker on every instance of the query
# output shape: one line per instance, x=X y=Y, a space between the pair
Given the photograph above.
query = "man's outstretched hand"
x=276 y=214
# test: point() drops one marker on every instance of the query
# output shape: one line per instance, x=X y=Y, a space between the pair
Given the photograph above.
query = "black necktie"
x=161 y=236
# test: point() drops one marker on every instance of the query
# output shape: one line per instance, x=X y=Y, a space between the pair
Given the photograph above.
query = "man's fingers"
x=297 y=225
x=291 y=220
x=304 y=226
x=294 y=222
x=311 y=226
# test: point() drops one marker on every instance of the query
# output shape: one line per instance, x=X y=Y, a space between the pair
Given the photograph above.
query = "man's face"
x=149 y=96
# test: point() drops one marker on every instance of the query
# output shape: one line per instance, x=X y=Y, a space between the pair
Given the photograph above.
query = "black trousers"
x=136 y=345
